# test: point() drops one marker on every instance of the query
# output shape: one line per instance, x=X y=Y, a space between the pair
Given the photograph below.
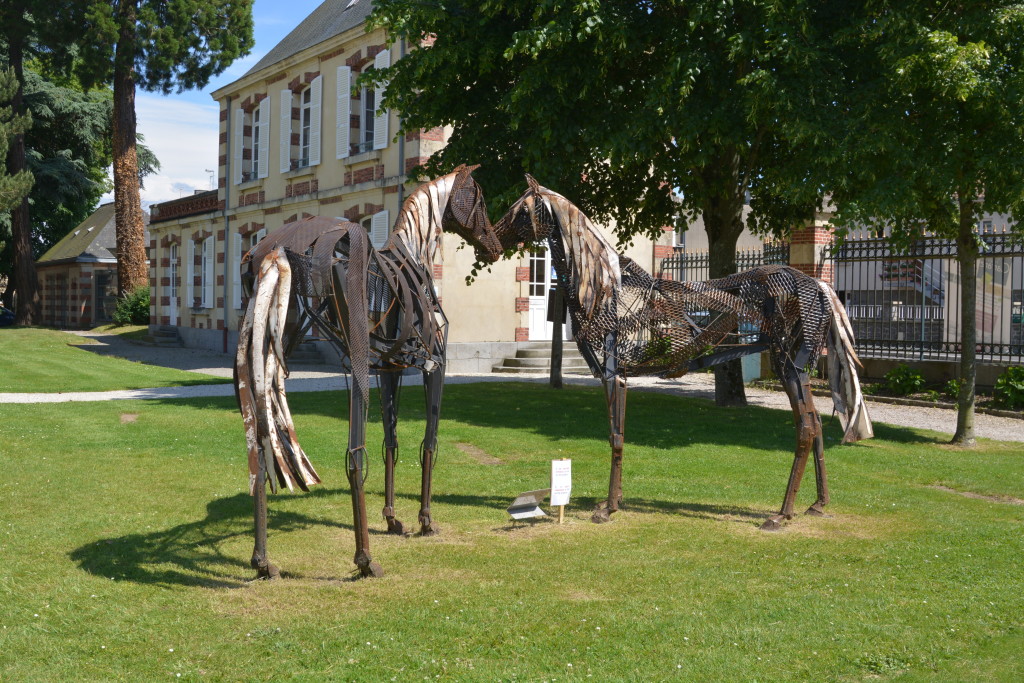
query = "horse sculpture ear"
x=534 y=185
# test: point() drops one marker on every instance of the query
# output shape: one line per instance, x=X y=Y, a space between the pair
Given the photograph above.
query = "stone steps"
x=535 y=357
x=165 y=336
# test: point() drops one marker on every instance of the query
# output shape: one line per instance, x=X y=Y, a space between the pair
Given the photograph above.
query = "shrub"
x=903 y=380
x=133 y=309
x=951 y=389
x=1009 y=390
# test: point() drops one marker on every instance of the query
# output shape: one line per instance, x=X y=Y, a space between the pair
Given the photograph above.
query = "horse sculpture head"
x=529 y=219
x=466 y=216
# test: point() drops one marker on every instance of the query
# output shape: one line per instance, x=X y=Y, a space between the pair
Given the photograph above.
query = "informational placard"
x=561 y=481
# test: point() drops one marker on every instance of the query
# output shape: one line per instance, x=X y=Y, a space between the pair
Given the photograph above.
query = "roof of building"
x=326 y=21
x=94 y=240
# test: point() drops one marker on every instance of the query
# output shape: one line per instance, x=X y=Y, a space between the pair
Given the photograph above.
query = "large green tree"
x=156 y=45
x=930 y=135
x=13 y=186
x=41 y=30
x=617 y=104
x=68 y=152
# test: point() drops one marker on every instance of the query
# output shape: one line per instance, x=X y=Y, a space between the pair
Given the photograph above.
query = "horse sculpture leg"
x=389 y=387
x=808 y=435
x=615 y=393
x=433 y=384
x=260 y=562
x=356 y=467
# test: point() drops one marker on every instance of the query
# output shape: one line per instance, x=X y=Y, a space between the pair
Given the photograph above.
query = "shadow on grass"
x=190 y=554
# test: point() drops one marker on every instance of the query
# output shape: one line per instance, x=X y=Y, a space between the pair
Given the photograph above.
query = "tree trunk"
x=723 y=224
x=24 y=280
x=967 y=257
x=132 y=271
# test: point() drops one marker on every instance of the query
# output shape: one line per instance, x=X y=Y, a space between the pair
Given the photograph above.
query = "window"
x=252 y=142
x=253 y=169
x=303 y=149
x=986 y=228
x=368 y=98
x=305 y=119
x=206 y=274
x=542 y=275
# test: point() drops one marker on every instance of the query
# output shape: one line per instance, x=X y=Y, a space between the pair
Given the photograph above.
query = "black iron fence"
x=694 y=266
x=906 y=305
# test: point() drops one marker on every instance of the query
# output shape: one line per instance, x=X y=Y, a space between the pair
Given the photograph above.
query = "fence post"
x=808 y=248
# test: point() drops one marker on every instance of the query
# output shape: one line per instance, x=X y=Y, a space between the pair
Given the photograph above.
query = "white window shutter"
x=190 y=275
x=379 y=229
x=259 y=236
x=235 y=252
x=380 y=124
x=208 y=272
x=343 y=141
x=316 y=97
x=239 y=144
x=286 y=131
x=264 y=166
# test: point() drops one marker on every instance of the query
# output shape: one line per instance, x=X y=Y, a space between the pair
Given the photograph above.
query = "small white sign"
x=561 y=481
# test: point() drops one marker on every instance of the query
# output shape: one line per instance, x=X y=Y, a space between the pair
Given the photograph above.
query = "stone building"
x=78 y=275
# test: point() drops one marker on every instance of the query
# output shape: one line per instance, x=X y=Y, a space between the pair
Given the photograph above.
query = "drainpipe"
x=227 y=221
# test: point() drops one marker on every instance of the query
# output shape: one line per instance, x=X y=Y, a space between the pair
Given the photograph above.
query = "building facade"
x=297 y=139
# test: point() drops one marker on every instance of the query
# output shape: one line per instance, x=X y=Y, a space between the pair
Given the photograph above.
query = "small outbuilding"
x=78 y=275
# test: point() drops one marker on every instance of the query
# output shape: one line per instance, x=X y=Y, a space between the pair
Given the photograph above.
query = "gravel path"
x=320 y=378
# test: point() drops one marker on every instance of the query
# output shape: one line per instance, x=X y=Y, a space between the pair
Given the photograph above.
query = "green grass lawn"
x=125 y=536
x=49 y=361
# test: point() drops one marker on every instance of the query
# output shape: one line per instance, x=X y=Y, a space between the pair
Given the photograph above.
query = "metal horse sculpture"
x=626 y=322
x=379 y=311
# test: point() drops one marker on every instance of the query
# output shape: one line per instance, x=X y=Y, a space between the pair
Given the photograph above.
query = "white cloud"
x=183 y=135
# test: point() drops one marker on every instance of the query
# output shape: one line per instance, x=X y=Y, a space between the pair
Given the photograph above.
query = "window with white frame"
x=363 y=126
x=252 y=142
x=367 y=117
x=306 y=148
x=207 y=274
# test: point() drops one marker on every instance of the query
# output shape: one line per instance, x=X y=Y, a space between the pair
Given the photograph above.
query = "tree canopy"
x=646 y=113
x=929 y=135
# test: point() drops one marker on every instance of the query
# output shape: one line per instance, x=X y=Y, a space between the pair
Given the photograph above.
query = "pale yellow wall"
x=484 y=311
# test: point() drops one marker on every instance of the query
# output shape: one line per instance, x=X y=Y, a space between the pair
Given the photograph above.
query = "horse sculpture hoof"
x=268 y=572
x=395 y=527
x=430 y=529
x=816 y=510
x=371 y=571
x=773 y=523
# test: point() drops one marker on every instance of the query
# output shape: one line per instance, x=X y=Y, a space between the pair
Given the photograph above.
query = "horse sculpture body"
x=379 y=311
x=626 y=322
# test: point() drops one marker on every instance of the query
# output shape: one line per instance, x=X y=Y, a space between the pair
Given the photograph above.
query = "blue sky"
x=182 y=129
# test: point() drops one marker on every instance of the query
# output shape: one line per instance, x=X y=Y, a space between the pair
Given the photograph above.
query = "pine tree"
x=13 y=186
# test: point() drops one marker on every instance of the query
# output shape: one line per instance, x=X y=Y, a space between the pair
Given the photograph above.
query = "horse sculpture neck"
x=418 y=227
x=592 y=261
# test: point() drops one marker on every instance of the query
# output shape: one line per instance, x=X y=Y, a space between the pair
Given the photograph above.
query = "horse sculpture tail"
x=842 y=373
x=274 y=451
